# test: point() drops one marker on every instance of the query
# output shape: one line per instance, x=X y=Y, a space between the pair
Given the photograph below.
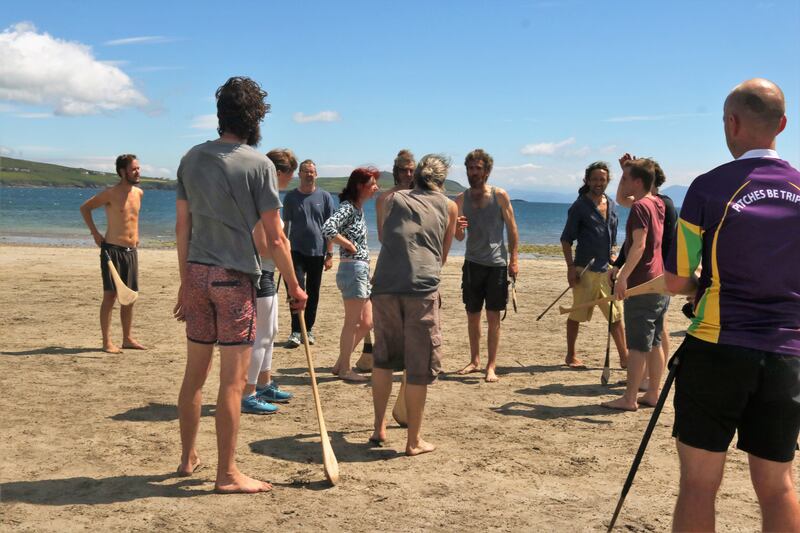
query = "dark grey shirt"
x=304 y=215
x=227 y=186
x=595 y=234
x=485 y=240
x=410 y=260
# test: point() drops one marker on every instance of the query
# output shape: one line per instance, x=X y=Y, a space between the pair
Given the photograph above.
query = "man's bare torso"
x=122 y=213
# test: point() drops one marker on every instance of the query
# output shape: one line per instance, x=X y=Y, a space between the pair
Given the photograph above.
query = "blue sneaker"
x=255 y=405
x=273 y=393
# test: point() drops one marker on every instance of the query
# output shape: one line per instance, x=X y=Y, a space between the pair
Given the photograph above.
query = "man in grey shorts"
x=644 y=314
x=483 y=212
x=405 y=295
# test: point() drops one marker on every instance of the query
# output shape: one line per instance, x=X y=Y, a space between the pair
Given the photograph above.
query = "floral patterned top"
x=348 y=221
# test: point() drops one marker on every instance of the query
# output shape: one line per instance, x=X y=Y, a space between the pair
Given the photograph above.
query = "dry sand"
x=90 y=441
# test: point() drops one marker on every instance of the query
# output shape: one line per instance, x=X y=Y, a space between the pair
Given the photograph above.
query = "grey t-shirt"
x=485 y=243
x=304 y=215
x=227 y=186
x=410 y=260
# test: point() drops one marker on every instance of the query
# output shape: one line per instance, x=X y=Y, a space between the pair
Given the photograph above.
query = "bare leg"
x=234 y=361
x=106 y=307
x=701 y=476
x=474 y=330
x=655 y=369
x=627 y=402
x=126 y=316
x=381 y=390
x=357 y=322
x=775 y=488
x=415 y=407
x=493 y=335
x=190 y=402
x=572 y=338
x=618 y=334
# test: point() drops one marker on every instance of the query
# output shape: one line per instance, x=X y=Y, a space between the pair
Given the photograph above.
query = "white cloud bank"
x=36 y=68
x=146 y=39
x=550 y=148
x=205 y=122
x=322 y=116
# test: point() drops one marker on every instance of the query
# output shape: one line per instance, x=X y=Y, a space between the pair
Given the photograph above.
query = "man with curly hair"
x=225 y=187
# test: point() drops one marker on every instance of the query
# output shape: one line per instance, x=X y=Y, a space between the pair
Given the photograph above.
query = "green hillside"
x=22 y=173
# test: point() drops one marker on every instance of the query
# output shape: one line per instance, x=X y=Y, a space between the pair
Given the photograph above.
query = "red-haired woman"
x=347 y=228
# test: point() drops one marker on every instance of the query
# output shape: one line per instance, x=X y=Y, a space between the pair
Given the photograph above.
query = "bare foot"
x=377 y=439
x=420 y=448
x=132 y=345
x=241 y=484
x=111 y=348
x=491 y=377
x=188 y=468
x=352 y=377
x=469 y=369
x=620 y=404
x=647 y=401
x=575 y=363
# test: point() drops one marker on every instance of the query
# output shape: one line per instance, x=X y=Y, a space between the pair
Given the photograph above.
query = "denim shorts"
x=352 y=278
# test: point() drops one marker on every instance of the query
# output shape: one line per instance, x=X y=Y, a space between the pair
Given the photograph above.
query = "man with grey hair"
x=739 y=366
x=405 y=295
x=305 y=210
x=483 y=213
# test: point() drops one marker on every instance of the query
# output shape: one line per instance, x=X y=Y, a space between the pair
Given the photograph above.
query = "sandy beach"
x=90 y=440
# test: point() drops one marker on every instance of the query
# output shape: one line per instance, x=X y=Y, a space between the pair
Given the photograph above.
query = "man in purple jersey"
x=739 y=367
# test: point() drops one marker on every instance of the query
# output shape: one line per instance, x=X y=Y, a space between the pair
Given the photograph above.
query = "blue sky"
x=545 y=86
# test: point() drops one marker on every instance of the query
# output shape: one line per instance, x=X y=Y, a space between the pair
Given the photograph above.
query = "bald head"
x=754 y=115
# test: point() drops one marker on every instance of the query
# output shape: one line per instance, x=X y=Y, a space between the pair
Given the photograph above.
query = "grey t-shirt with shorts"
x=227 y=186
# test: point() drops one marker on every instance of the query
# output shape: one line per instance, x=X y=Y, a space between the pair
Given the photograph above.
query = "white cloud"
x=205 y=122
x=36 y=68
x=549 y=148
x=7 y=108
x=34 y=115
x=322 y=116
x=145 y=39
x=5 y=150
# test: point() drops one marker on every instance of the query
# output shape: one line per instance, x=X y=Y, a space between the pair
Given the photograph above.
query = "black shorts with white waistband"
x=125 y=260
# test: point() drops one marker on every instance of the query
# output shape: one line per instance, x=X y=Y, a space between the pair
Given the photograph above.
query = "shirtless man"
x=403 y=172
x=122 y=203
x=483 y=212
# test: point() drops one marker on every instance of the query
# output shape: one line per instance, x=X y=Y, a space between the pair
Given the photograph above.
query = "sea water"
x=51 y=216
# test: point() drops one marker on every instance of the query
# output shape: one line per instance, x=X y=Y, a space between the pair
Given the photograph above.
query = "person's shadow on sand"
x=583 y=390
x=306 y=448
x=549 y=412
x=158 y=412
x=88 y=491
x=55 y=350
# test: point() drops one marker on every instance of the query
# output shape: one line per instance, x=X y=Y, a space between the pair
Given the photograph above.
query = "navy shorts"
x=720 y=389
x=480 y=283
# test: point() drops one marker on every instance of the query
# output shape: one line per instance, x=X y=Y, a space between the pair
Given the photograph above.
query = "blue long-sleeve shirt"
x=595 y=234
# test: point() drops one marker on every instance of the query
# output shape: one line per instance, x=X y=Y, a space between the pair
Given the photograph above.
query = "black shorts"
x=720 y=389
x=481 y=283
x=125 y=260
x=266 y=285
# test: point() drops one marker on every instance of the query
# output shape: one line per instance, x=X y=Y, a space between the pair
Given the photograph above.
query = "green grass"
x=550 y=250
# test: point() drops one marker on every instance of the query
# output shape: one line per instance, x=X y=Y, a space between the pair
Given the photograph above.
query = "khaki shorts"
x=593 y=285
x=407 y=335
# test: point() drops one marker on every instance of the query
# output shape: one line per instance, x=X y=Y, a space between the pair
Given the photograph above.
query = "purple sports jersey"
x=742 y=221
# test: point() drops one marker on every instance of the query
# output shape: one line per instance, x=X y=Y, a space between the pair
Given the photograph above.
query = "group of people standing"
x=734 y=251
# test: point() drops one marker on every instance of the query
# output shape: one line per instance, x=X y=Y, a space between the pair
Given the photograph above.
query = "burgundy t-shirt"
x=647 y=214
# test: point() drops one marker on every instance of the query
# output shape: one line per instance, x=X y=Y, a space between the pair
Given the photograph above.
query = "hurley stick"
x=125 y=295
x=329 y=463
x=565 y=291
x=364 y=363
x=607 y=365
x=645 y=439
x=654 y=286
x=399 y=412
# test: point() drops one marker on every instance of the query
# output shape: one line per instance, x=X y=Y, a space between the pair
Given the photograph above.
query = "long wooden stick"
x=565 y=291
x=654 y=286
x=125 y=295
x=329 y=463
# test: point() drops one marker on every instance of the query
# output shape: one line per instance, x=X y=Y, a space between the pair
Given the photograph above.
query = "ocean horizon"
x=51 y=216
